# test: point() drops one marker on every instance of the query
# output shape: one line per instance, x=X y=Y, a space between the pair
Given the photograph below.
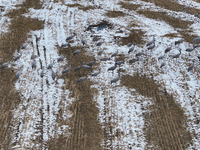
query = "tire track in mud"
x=86 y=132
x=166 y=124
x=84 y=129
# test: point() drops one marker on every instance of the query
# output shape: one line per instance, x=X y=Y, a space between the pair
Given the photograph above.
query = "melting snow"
x=60 y=21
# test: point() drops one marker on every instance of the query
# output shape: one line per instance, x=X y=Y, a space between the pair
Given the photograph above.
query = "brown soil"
x=9 y=43
x=165 y=125
x=114 y=14
x=86 y=132
x=136 y=36
x=129 y=6
x=180 y=25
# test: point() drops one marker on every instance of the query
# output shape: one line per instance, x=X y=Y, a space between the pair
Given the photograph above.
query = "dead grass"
x=119 y=57
x=81 y=7
x=114 y=14
x=136 y=36
x=129 y=6
x=172 y=35
x=86 y=132
x=24 y=8
x=171 y=5
x=180 y=25
x=187 y=35
x=73 y=5
x=9 y=99
x=87 y=8
x=165 y=126
x=62 y=1
x=9 y=43
x=13 y=40
x=174 y=22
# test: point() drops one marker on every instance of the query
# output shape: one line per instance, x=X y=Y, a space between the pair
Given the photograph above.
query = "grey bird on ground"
x=163 y=64
x=18 y=73
x=79 y=67
x=114 y=54
x=198 y=57
x=133 y=60
x=25 y=45
x=5 y=64
x=139 y=54
x=115 y=79
x=186 y=7
x=33 y=64
x=130 y=44
x=196 y=40
x=177 y=55
x=100 y=52
x=168 y=49
x=96 y=73
x=179 y=42
x=190 y=49
x=67 y=69
x=34 y=56
x=70 y=37
x=87 y=67
x=191 y=66
x=64 y=45
x=196 y=46
x=96 y=38
x=151 y=47
x=50 y=66
x=119 y=63
x=53 y=75
x=151 y=42
x=18 y=56
x=161 y=57
x=112 y=68
x=100 y=43
x=77 y=51
x=92 y=62
x=81 y=79
x=197 y=15
x=82 y=40
x=105 y=58
x=61 y=58
x=188 y=11
x=131 y=49
x=38 y=38
x=42 y=73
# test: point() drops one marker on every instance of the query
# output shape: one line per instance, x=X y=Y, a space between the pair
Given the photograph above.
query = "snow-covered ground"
x=60 y=22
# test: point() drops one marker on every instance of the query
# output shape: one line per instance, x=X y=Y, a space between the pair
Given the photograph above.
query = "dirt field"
x=165 y=124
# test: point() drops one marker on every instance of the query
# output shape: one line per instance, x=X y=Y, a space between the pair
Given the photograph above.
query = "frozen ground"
x=61 y=21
